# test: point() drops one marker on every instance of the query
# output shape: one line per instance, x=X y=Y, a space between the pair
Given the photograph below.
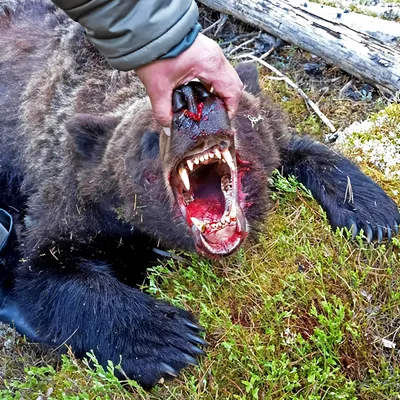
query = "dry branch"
x=356 y=43
x=308 y=101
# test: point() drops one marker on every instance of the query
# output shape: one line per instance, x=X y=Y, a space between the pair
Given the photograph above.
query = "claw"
x=389 y=234
x=190 y=360
x=196 y=351
x=196 y=339
x=396 y=228
x=368 y=233
x=353 y=228
x=168 y=370
x=194 y=326
x=380 y=234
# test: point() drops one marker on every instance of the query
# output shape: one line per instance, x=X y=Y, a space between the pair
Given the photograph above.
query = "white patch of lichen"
x=375 y=141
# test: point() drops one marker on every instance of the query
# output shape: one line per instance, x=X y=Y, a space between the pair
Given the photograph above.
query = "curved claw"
x=167 y=369
x=190 y=360
x=196 y=351
x=380 y=234
x=368 y=233
x=389 y=234
x=193 y=326
x=353 y=229
x=396 y=228
x=196 y=339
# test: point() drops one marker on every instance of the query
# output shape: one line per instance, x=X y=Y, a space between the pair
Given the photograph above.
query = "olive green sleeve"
x=131 y=33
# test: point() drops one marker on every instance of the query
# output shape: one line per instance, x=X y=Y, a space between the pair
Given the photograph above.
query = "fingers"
x=216 y=71
x=229 y=89
x=156 y=79
x=228 y=86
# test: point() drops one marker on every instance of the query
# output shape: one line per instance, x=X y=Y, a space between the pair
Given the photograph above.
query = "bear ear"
x=91 y=133
x=248 y=74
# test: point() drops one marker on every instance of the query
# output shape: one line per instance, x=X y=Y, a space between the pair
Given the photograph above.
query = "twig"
x=309 y=102
x=240 y=56
x=169 y=255
x=349 y=195
x=344 y=89
x=242 y=45
x=276 y=78
x=221 y=20
x=224 y=19
x=268 y=53
x=235 y=39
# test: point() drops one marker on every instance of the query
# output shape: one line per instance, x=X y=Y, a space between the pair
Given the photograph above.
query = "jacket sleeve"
x=131 y=33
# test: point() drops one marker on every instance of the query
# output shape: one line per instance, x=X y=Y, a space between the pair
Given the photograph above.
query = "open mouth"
x=206 y=186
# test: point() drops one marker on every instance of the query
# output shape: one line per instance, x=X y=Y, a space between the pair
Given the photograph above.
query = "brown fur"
x=68 y=80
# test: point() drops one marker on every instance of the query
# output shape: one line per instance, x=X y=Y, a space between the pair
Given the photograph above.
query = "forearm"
x=133 y=33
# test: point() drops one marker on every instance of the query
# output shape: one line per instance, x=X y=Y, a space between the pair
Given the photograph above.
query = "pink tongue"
x=221 y=235
x=209 y=208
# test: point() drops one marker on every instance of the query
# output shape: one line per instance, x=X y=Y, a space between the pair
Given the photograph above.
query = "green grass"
x=297 y=314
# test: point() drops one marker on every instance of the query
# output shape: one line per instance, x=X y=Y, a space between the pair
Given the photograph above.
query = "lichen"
x=375 y=141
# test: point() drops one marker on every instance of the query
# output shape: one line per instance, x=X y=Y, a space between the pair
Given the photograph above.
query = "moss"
x=297 y=314
x=324 y=90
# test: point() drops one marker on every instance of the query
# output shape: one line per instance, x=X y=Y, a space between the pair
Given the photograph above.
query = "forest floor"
x=302 y=312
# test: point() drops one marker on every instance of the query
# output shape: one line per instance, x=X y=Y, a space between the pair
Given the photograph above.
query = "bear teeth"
x=229 y=160
x=183 y=173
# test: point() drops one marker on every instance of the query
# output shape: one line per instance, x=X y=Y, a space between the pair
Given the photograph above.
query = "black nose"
x=189 y=96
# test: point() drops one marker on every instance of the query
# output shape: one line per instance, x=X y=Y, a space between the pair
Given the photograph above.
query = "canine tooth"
x=229 y=160
x=185 y=177
x=201 y=226
x=196 y=161
x=233 y=210
x=201 y=158
x=190 y=164
x=217 y=153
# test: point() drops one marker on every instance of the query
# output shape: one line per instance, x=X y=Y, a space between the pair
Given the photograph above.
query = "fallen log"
x=363 y=46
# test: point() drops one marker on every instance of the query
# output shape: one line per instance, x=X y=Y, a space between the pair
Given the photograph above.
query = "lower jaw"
x=206 y=250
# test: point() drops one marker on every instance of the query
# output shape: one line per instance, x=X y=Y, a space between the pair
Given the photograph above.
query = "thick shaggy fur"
x=82 y=169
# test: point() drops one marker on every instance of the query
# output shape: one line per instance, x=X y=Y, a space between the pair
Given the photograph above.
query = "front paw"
x=369 y=209
x=164 y=341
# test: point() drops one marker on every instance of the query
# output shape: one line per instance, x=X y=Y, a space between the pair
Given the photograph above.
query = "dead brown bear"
x=85 y=172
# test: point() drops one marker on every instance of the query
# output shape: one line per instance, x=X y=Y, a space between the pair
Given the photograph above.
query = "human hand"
x=203 y=60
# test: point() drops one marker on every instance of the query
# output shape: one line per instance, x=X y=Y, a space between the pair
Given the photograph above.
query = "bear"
x=91 y=181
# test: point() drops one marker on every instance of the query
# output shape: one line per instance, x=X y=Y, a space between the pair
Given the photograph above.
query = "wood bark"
x=363 y=46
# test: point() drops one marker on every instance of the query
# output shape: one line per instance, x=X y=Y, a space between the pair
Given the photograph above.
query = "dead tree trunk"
x=363 y=46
